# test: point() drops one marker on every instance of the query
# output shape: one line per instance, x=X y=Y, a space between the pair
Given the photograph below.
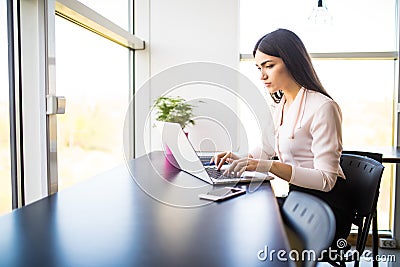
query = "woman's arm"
x=282 y=170
x=326 y=146
x=308 y=178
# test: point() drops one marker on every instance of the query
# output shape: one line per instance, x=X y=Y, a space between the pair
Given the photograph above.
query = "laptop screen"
x=182 y=150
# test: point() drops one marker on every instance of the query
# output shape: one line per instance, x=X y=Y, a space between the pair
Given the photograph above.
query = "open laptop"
x=188 y=161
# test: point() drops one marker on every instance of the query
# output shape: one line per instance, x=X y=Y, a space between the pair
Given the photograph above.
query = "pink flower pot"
x=168 y=151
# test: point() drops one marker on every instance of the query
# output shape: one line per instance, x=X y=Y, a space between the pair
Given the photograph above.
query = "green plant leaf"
x=174 y=109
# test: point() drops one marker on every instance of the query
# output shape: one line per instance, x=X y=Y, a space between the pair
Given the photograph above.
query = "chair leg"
x=359 y=235
x=364 y=234
x=337 y=264
x=374 y=239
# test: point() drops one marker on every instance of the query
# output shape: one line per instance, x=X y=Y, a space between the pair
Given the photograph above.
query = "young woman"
x=307 y=126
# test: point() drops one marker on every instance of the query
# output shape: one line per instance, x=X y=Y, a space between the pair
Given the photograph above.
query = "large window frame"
x=32 y=66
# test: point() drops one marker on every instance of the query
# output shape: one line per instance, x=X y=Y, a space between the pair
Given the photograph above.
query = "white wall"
x=177 y=32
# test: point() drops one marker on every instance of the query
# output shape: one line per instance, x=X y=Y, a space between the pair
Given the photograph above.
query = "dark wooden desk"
x=111 y=221
x=390 y=154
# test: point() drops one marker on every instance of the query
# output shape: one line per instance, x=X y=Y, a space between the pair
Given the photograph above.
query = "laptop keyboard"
x=205 y=159
x=218 y=174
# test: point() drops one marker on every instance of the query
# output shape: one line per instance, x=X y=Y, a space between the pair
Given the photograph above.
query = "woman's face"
x=274 y=73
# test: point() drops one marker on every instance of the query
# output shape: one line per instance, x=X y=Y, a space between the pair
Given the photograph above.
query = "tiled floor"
x=389 y=258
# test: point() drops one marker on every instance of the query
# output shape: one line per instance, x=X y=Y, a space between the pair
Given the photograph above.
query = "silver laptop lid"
x=173 y=136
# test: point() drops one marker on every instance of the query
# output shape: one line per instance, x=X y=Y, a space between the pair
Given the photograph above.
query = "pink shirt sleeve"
x=326 y=146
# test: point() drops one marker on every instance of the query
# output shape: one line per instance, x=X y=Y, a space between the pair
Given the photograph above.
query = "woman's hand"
x=248 y=164
x=223 y=157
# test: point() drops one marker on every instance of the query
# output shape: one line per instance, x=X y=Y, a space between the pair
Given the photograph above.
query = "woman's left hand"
x=248 y=164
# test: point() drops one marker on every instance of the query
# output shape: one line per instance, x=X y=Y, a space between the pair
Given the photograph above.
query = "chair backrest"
x=363 y=177
x=312 y=220
x=373 y=155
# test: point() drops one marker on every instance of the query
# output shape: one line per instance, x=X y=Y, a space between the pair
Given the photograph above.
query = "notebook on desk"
x=188 y=161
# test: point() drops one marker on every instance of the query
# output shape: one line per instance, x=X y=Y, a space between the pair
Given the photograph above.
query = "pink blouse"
x=310 y=140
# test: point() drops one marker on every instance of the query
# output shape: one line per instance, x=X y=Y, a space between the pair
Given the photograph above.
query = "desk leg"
x=375 y=242
x=396 y=194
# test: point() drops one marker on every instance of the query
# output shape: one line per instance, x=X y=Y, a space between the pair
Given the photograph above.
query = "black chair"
x=376 y=156
x=363 y=178
x=312 y=220
x=375 y=239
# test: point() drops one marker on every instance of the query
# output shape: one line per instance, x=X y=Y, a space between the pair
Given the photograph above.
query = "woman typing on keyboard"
x=308 y=135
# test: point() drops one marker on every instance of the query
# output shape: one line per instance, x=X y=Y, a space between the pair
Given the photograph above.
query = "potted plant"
x=174 y=109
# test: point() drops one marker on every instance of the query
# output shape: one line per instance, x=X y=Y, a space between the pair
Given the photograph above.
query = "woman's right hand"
x=221 y=158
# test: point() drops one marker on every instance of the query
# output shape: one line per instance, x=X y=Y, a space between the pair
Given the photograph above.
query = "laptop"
x=186 y=157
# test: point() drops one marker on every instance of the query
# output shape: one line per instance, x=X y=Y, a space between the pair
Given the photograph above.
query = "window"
x=356 y=26
x=93 y=71
x=93 y=75
x=360 y=73
x=368 y=112
x=5 y=161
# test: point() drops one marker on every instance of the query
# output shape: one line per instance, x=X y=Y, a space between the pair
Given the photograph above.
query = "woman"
x=307 y=126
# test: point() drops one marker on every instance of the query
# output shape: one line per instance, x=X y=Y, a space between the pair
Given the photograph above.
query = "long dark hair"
x=287 y=45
